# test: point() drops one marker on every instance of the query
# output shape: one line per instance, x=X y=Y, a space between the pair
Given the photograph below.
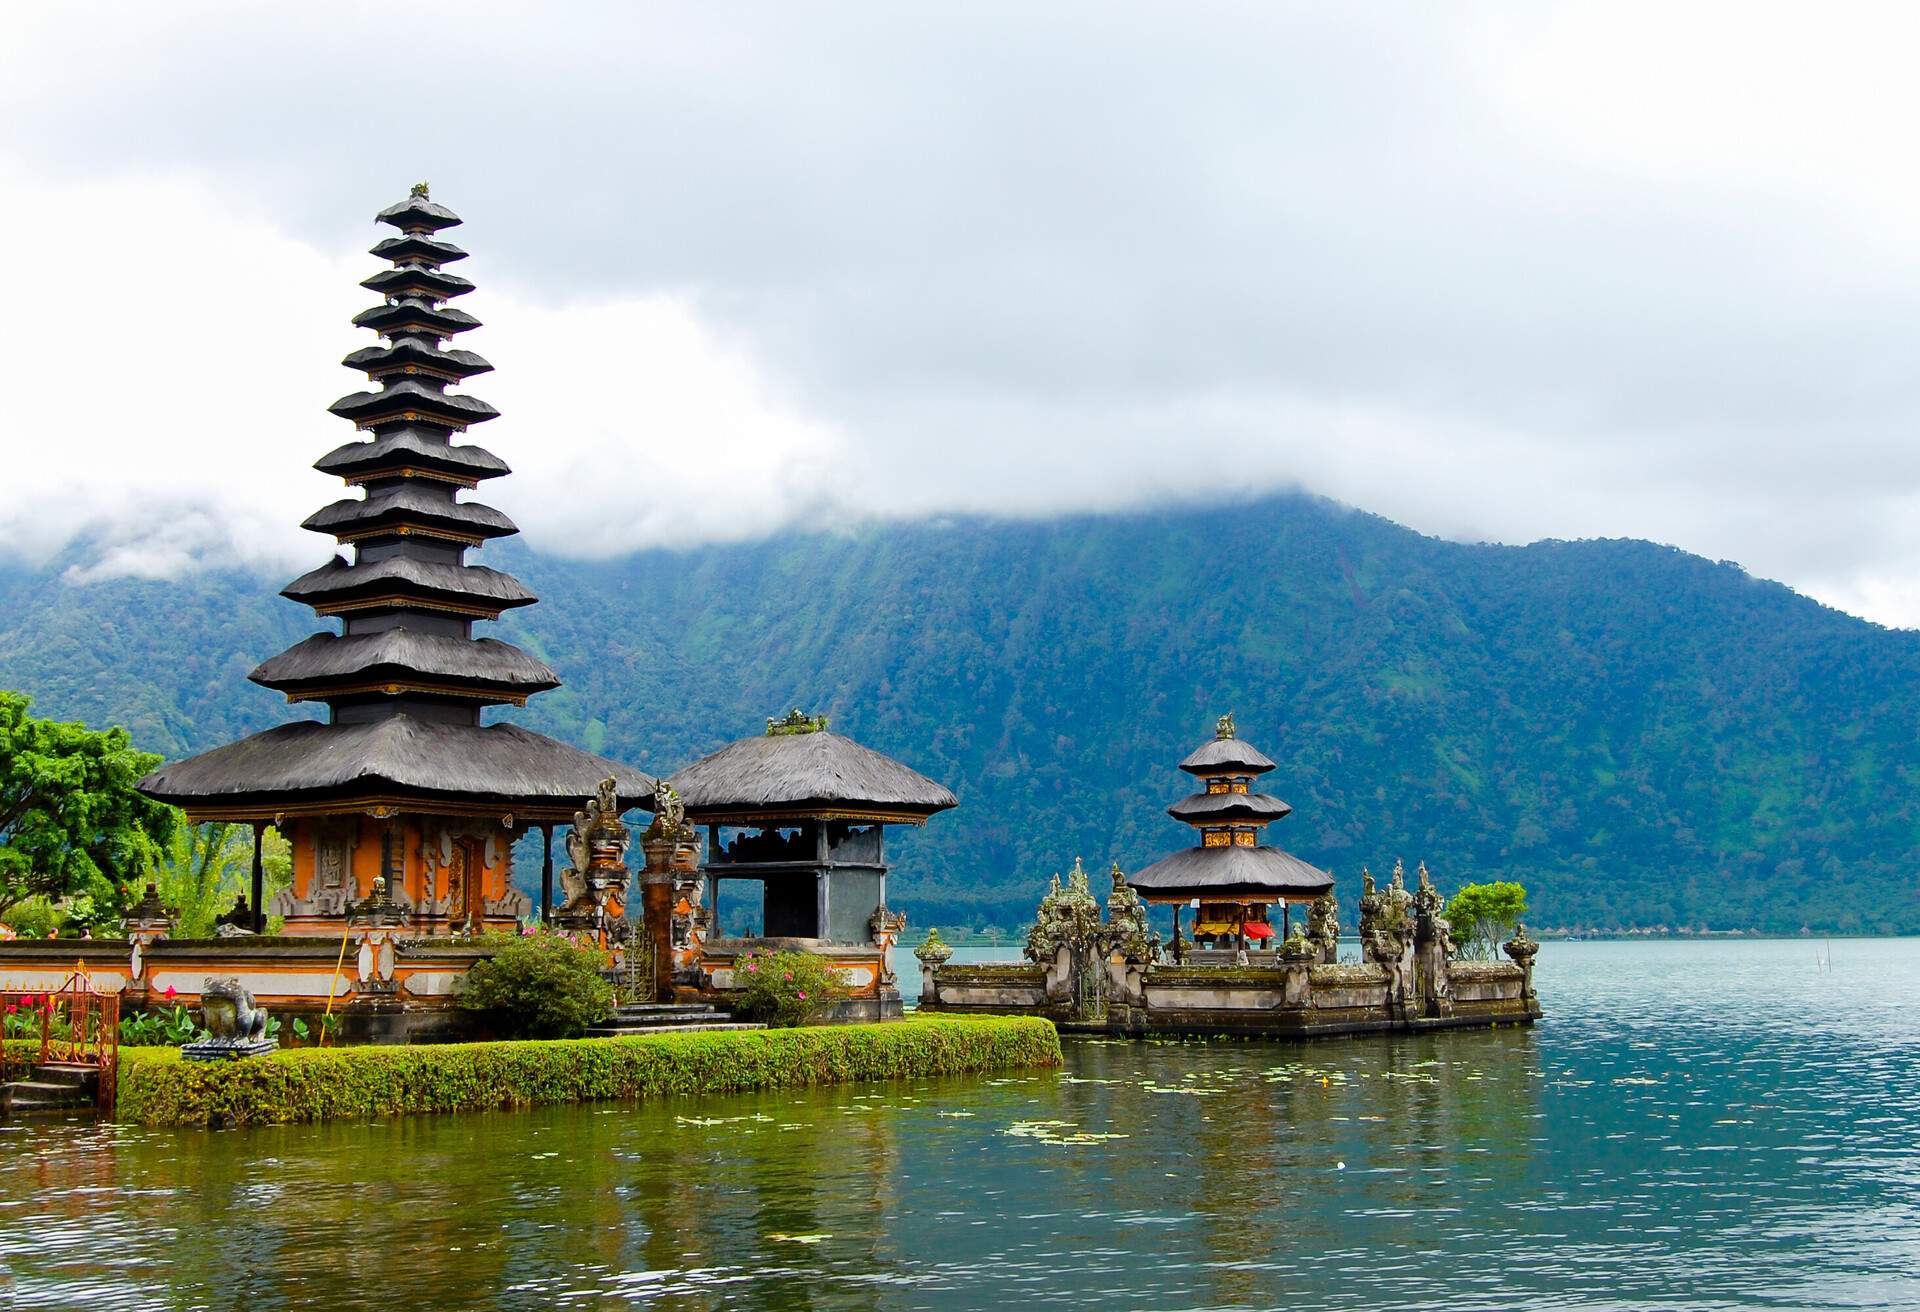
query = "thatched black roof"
x=806 y=774
x=410 y=505
x=418 y=214
x=412 y=279
x=1226 y=756
x=467 y=585
x=399 y=756
x=403 y=397
x=1230 y=872
x=423 y=356
x=400 y=654
x=1219 y=808
x=412 y=246
x=414 y=315
x=403 y=447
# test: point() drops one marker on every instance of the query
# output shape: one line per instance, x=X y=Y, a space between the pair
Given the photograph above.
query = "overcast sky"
x=1498 y=272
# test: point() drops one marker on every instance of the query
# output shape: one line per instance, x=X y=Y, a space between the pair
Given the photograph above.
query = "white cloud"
x=1500 y=271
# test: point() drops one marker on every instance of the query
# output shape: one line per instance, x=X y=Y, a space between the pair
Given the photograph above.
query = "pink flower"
x=788 y=977
x=171 y=991
x=803 y=992
x=752 y=966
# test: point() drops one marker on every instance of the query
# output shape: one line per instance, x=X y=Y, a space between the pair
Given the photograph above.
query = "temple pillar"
x=546 y=873
x=259 y=879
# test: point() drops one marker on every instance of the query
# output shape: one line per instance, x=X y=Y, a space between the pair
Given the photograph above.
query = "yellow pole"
x=334 y=983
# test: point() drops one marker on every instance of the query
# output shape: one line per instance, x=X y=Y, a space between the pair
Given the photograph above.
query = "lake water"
x=1723 y=1125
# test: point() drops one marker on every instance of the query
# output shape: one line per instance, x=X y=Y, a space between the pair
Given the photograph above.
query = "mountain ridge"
x=1644 y=737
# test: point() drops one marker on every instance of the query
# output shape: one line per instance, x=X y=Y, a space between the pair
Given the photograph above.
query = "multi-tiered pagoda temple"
x=403 y=780
x=1234 y=879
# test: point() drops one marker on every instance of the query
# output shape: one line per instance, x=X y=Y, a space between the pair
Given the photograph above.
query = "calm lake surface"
x=1721 y=1125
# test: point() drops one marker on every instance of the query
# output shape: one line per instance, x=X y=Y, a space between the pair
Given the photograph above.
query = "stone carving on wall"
x=597 y=846
x=883 y=930
x=331 y=889
x=1386 y=930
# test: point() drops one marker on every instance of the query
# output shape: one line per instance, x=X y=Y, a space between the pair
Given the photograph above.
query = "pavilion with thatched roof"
x=1230 y=875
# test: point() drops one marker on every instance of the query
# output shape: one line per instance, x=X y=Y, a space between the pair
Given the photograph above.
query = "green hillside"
x=1643 y=737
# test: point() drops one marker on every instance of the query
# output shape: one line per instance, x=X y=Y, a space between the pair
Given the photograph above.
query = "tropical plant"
x=72 y=826
x=541 y=986
x=784 y=988
x=201 y=869
x=163 y=1028
x=1483 y=914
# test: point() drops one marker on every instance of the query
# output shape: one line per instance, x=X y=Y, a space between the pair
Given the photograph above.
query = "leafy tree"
x=1484 y=914
x=72 y=828
x=202 y=868
x=540 y=986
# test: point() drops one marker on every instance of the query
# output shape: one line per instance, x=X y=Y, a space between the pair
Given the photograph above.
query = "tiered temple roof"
x=1230 y=864
x=405 y=681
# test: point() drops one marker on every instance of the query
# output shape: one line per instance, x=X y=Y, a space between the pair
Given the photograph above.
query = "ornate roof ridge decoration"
x=796 y=721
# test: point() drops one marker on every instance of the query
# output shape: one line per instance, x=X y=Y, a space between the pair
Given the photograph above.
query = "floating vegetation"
x=780 y=1238
x=953 y=1115
x=720 y=1120
x=1051 y=1132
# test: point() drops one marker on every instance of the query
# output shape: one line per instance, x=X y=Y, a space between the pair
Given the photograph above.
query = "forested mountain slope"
x=1645 y=738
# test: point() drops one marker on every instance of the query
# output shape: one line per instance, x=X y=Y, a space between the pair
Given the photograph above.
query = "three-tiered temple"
x=402 y=780
x=1231 y=875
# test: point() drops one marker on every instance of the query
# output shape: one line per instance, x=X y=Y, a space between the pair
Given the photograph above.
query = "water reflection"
x=1661 y=1141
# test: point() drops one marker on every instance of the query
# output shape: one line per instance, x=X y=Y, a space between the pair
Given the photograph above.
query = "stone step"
x=24 y=1097
x=662 y=1008
x=73 y=1076
x=677 y=1018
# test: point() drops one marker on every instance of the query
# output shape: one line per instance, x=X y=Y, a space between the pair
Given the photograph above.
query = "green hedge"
x=309 y=1084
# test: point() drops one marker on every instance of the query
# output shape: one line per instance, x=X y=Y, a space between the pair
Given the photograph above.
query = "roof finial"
x=1223 y=727
x=796 y=721
x=419 y=191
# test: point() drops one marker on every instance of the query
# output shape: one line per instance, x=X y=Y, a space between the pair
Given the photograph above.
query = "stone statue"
x=1323 y=927
x=1128 y=931
x=1069 y=919
x=573 y=879
x=237 y=1026
x=935 y=951
x=1522 y=949
x=669 y=811
x=1427 y=908
x=1223 y=727
x=597 y=847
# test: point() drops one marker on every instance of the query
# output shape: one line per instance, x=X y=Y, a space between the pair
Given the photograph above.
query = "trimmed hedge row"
x=311 y=1084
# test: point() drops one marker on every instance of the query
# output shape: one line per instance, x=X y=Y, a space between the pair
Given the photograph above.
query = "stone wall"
x=1300 y=997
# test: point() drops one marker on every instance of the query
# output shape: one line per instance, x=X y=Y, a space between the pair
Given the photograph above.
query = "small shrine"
x=1232 y=877
x=402 y=789
x=796 y=822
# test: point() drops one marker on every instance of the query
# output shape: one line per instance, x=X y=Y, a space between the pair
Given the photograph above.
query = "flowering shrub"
x=20 y=1017
x=784 y=988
